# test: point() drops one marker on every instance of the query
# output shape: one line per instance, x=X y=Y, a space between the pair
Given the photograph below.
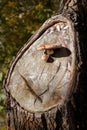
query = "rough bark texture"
x=81 y=94
x=64 y=116
x=55 y=119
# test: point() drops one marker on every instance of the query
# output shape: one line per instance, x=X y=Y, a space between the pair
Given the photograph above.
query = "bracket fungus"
x=48 y=50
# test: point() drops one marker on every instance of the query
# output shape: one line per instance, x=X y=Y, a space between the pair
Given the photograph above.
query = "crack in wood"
x=55 y=73
x=30 y=89
x=42 y=72
x=51 y=80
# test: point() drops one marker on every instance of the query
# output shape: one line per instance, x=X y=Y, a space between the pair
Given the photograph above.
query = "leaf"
x=1 y=76
x=1 y=108
x=2 y=97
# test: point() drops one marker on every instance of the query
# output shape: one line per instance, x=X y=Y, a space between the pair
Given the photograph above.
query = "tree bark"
x=36 y=98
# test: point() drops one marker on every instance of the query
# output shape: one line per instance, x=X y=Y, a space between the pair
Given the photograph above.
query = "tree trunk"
x=41 y=85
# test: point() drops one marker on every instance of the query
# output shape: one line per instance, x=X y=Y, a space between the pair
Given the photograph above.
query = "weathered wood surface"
x=38 y=85
x=39 y=91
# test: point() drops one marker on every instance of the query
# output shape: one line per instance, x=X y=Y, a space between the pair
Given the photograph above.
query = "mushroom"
x=49 y=49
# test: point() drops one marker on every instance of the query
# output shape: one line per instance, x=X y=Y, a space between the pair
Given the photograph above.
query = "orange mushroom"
x=49 y=49
x=47 y=46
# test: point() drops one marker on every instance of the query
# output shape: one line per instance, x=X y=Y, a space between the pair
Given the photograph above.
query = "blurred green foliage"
x=19 y=19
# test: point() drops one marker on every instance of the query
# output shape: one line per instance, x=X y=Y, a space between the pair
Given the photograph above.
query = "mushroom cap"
x=47 y=46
